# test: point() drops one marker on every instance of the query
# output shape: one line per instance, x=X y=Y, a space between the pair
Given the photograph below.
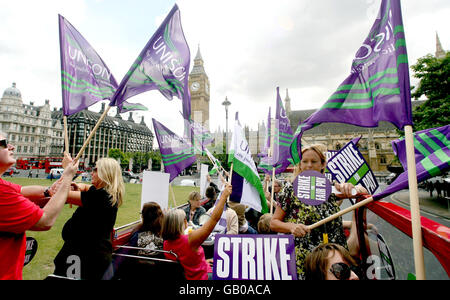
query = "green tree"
x=116 y=154
x=156 y=159
x=433 y=74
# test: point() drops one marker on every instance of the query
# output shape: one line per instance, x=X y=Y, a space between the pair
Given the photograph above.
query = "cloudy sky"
x=249 y=47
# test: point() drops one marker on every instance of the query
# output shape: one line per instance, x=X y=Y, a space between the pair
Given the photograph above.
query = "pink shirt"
x=193 y=262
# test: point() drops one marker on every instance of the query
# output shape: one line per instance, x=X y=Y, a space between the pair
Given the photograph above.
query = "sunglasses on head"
x=341 y=270
x=4 y=143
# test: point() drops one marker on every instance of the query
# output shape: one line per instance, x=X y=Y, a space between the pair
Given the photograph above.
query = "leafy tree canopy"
x=434 y=75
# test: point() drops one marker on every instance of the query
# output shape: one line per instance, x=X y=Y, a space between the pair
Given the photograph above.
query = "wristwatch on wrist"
x=47 y=192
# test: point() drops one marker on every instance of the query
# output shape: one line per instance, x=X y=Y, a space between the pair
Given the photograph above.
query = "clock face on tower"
x=195 y=86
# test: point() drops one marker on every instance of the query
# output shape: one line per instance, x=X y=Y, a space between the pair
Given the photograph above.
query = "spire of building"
x=130 y=117
x=118 y=116
x=199 y=55
x=287 y=103
x=198 y=63
x=440 y=53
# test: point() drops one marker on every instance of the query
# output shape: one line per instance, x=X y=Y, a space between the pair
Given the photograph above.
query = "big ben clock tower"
x=199 y=88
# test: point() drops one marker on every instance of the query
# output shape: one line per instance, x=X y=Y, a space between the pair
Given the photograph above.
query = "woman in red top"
x=188 y=247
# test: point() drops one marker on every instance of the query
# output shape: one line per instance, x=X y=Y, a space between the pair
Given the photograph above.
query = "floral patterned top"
x=301 y=213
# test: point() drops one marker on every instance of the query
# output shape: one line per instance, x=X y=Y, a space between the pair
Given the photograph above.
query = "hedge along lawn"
x=50 y=242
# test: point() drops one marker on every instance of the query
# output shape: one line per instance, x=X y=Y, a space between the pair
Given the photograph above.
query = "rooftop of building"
x=296 y=116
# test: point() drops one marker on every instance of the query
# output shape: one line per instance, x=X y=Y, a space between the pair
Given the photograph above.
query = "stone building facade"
x=37 y=131
x=113 y=133
x=30 y=128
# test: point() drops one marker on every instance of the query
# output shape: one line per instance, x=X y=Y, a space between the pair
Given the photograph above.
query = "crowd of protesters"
x=87 y=234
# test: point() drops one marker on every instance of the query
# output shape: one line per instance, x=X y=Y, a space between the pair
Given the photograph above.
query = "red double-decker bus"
x=52 y=162
x=48 y=163
x=27 y=163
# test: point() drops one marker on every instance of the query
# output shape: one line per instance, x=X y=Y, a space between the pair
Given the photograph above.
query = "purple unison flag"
x=162 y=65
x=202 y=136
x=177 y=153
x=425 y=142
x=126 y=106
x=432 y=154
x=283 y=138
x=377 y=88
x=434 y=164
x=85 y=78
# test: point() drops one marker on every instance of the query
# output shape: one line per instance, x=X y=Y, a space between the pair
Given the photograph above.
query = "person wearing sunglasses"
x=25 y=208
x=87 y=249
x=330 y=262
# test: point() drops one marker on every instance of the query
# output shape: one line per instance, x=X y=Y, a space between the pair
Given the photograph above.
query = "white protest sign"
x=203 y=179
x=155 y=188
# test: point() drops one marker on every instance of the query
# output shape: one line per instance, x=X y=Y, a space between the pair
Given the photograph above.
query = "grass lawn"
x=49 y=242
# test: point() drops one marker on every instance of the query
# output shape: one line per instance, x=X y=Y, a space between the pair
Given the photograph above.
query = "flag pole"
x=272 y=142
x=91 y=135
x=273 y=185
x=66 y=135
x=173 y=195
x=414 y=204
x=340 y=213
x=66 y=141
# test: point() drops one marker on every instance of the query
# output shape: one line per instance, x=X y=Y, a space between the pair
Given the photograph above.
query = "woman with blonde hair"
x=293 y=216
x=194 y=210
x=188 y=247
x=87 y=249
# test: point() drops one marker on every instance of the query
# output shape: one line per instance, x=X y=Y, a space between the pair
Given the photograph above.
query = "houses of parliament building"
x=374 y=145
x=37 y=131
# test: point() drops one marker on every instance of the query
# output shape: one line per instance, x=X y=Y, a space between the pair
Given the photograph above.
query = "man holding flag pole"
x=377 y=89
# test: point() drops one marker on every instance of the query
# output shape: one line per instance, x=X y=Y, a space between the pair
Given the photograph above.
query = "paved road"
x=399 y=244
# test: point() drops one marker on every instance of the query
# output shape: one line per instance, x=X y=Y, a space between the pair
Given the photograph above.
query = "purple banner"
x=377 y=88
x=283 y=137
x=425 y=142
x=85 y=78
x=254 y=257
x=162 y=65
x=434 y=149
x=177 y=153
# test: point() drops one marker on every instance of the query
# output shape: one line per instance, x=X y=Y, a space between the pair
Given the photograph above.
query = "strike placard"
x=254 y=257
x=349 y=165
x=312 y=187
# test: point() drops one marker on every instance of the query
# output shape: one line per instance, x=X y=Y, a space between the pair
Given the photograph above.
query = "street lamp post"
x=226 y=103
